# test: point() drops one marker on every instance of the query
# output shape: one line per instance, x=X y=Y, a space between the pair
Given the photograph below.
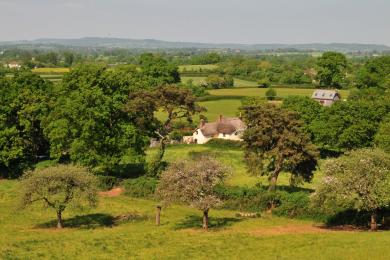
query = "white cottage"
x=326 y=97
x=224 y=128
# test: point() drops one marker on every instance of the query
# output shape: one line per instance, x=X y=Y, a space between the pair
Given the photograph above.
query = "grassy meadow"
x=122 y=228
x=260 y=92
x=197 y=68
x=238 y=83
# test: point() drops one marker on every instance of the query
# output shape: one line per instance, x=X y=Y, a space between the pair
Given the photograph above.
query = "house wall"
x=232 y=137
x=199 y=138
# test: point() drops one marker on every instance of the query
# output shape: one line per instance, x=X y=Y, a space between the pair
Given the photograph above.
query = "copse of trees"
x=331 y=69
x=25 y=100
x=374 y=74
x=216 y=82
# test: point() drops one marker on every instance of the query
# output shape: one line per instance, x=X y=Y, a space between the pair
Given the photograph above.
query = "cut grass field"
x=102 y=233
x=232 y=157
x=197 y=68
x=50 y=70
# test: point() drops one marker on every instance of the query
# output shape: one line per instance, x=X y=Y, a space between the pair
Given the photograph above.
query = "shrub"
x=142 y=187
x=270 y=94
x=221 y=143
x=107 y=182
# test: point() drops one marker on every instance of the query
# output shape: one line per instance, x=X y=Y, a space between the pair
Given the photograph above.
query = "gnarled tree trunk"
x=59 y=219
x=206 y=219
x=374 y=224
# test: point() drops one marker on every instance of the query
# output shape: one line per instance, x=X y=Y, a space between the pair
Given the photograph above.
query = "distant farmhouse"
x=13 y=65
x=224 y=128
x=326 y=97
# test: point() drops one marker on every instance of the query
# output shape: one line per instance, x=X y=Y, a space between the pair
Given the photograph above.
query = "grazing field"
x=238 y=83
x=50 y=70
x=197 y=68
x=234 y=158
x=105 y=233
x=260 y=92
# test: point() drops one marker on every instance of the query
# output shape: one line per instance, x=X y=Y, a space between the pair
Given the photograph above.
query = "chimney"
x=220 y=118
x=202 y=123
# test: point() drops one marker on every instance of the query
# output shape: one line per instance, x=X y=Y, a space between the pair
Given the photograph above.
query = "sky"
x=209 y=21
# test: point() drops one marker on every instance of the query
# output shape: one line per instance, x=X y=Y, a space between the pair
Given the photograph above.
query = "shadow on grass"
x=97 y=220
x=194 y=221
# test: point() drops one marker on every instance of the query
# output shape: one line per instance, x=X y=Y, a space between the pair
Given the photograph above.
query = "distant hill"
x=157 y=44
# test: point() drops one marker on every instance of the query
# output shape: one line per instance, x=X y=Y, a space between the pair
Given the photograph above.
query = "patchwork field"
x=122 y=228
x=260 y=92
x=197 y=68
x=238 y=83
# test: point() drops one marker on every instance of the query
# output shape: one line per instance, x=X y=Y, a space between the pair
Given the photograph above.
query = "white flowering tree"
x=358 y=180
x=192 y=183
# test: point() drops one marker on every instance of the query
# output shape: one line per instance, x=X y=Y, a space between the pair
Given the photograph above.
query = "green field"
x=260 y=92
x=197 y=68
x=233 y=157
x=239 y=83
x=100 y=234
x=50 y=70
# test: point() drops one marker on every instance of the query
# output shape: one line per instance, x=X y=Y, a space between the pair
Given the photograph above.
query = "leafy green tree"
x=158 y=71
x=375 y=74
x=59 y=187
x=89 y=124
x=24 y=102
x=216 y=82
x=358 y=180
x=177 y=104
x=307 y=108
x=274 y=142
x=270 y=94
x=331 y=69
x=68 y=59
x=348 y=125
x=193 y=183
x=382 y=137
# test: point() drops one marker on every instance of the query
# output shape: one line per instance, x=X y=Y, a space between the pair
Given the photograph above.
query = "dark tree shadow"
x=194 y=221
x=97 y=220
x=359 y=219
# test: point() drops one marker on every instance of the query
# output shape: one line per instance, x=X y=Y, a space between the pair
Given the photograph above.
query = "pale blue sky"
x=215 y=21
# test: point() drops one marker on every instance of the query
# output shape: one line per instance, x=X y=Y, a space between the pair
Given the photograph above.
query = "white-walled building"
x=224 y=128
x=326 y=97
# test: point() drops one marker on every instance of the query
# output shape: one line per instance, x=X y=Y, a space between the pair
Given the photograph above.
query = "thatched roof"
x=224 y=125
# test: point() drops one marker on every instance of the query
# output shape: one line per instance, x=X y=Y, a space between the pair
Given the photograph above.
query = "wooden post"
x=158 y=214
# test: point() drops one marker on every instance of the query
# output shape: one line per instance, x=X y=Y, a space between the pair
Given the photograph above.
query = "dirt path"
x=112 y=193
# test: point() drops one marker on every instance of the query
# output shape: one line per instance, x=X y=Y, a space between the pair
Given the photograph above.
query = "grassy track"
x=93 y=235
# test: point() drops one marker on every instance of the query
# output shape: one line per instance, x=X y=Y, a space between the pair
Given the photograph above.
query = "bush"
x=142 y=187
x=107 y=182
x=270 y=94
x=289 y=201
x=222 y=143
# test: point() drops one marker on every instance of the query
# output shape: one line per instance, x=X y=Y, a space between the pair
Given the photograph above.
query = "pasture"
x=260 y=92
x=50 y=70
x=197 y=68
x=122 y=228
x=238 y=83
